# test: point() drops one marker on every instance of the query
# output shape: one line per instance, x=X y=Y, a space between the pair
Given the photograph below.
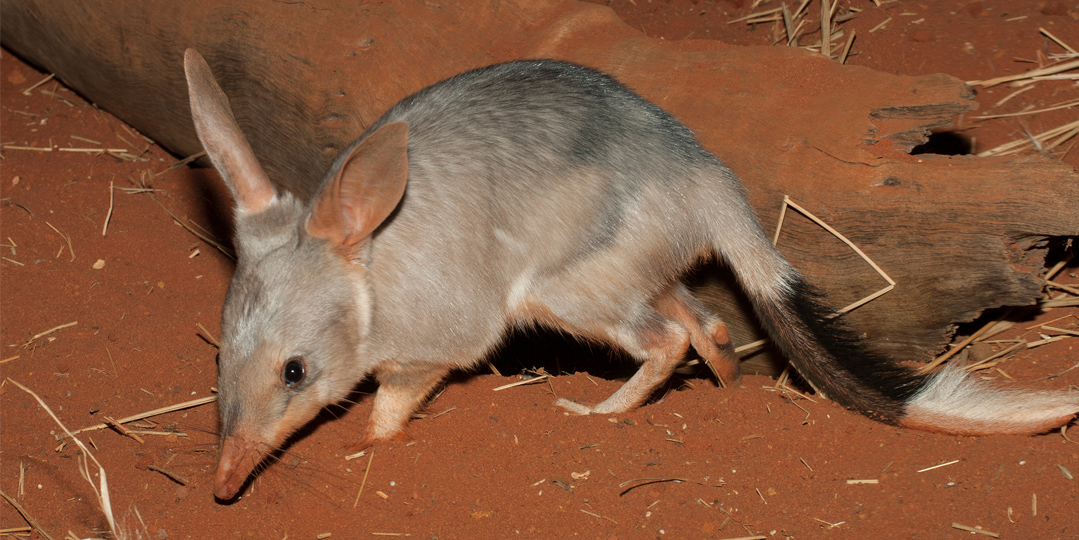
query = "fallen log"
x=958 y=234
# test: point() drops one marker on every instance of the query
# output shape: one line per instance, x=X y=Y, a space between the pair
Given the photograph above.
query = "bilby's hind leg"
x=707 y=332
x=401 y=390
x=661 y=344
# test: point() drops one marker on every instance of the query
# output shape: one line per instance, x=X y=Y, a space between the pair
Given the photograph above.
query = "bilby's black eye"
x=294 y=372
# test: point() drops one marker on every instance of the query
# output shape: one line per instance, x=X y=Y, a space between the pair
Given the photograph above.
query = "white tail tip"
x=953 y=402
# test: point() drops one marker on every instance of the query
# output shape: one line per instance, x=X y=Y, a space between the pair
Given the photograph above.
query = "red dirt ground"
x=482 y=464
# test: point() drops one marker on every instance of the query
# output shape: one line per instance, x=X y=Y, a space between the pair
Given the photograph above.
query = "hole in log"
x=945 y=143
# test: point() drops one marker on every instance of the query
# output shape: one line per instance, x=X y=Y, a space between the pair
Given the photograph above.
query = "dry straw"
x=101 y=490
x=791 y=25
x=148 y=414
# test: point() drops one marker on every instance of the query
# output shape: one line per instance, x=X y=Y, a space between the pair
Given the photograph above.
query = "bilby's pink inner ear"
x=222 y=139
x=365 y=191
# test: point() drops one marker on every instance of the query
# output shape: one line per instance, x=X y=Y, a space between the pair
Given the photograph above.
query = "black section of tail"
x=833 y=358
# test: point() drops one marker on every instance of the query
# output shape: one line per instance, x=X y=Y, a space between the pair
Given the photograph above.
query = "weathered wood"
x=958 y=234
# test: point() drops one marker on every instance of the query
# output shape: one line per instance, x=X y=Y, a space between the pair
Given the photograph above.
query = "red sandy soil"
x=699 y=462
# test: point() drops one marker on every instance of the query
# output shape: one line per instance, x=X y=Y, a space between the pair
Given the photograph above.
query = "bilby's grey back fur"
x=548 y=171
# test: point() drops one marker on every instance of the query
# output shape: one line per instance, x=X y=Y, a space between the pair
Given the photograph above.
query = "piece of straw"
x=953 y=462
x=364 y=482
x=1057 y=40
x=26 y=515
x=974 y=530
x=102 y=489
x=39 y=83
x=1047 y=70
x=891 y=283
x=825 y=28
x=108 y=215
x=944 y=357
x=846 y=48
x=66 y=239
x=1065 y=105
x=155 y=412
x=536 y=379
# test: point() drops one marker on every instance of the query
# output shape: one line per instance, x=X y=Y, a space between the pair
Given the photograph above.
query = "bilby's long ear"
x=222 y=139
x=365 y=191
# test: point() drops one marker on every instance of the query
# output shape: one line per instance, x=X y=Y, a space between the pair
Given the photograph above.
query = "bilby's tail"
x=839 y=364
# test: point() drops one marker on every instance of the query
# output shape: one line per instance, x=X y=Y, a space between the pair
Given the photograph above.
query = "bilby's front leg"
x=401 y=390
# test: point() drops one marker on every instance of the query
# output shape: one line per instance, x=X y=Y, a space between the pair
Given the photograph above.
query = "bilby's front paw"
x=372 y=439
x=573 y=406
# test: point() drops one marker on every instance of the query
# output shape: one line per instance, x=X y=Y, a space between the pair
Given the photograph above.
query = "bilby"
x=527 y=193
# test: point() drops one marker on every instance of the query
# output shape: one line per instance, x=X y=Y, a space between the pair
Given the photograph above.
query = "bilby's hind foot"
x=661 y=344
x=707 y=333
x=721 y=356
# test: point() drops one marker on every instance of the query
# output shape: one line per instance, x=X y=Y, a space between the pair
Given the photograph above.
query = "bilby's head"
x=299 y=304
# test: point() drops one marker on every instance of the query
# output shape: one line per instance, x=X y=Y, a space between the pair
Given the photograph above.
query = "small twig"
x=599 y=516
x=775 y=240
x=173 y=476
x=101 y=489
x=1058 y=303
x=944 y=357
x=66 y=239
x=1061 y=330
x=84 y=139
x=1055 y=375
x=364 y=482
x=645 y=482
x=756 y=15
x=788 y=25
x=108 y=215
x=155 y=412
x=47 y=332
x=1046 y=341
x=227 y=252
x=39 y=83
x=185 y=161
x=830 y=525
x=26 y=515
x=750 y=346
x=30 y=148
x=1065 y=105
x=974 y=530
x=536 y=379
x=953 y=462
x=123 y=431
x=1057 y=40
x=881 y=25
x=208 y=335
x=451 y=409
x=150 y=432
x=846 y=48
x=1048 y=70
x=98 y=151
x=825 y=28
x=984 y=364
x=1008 y=97
x=1061 y=286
